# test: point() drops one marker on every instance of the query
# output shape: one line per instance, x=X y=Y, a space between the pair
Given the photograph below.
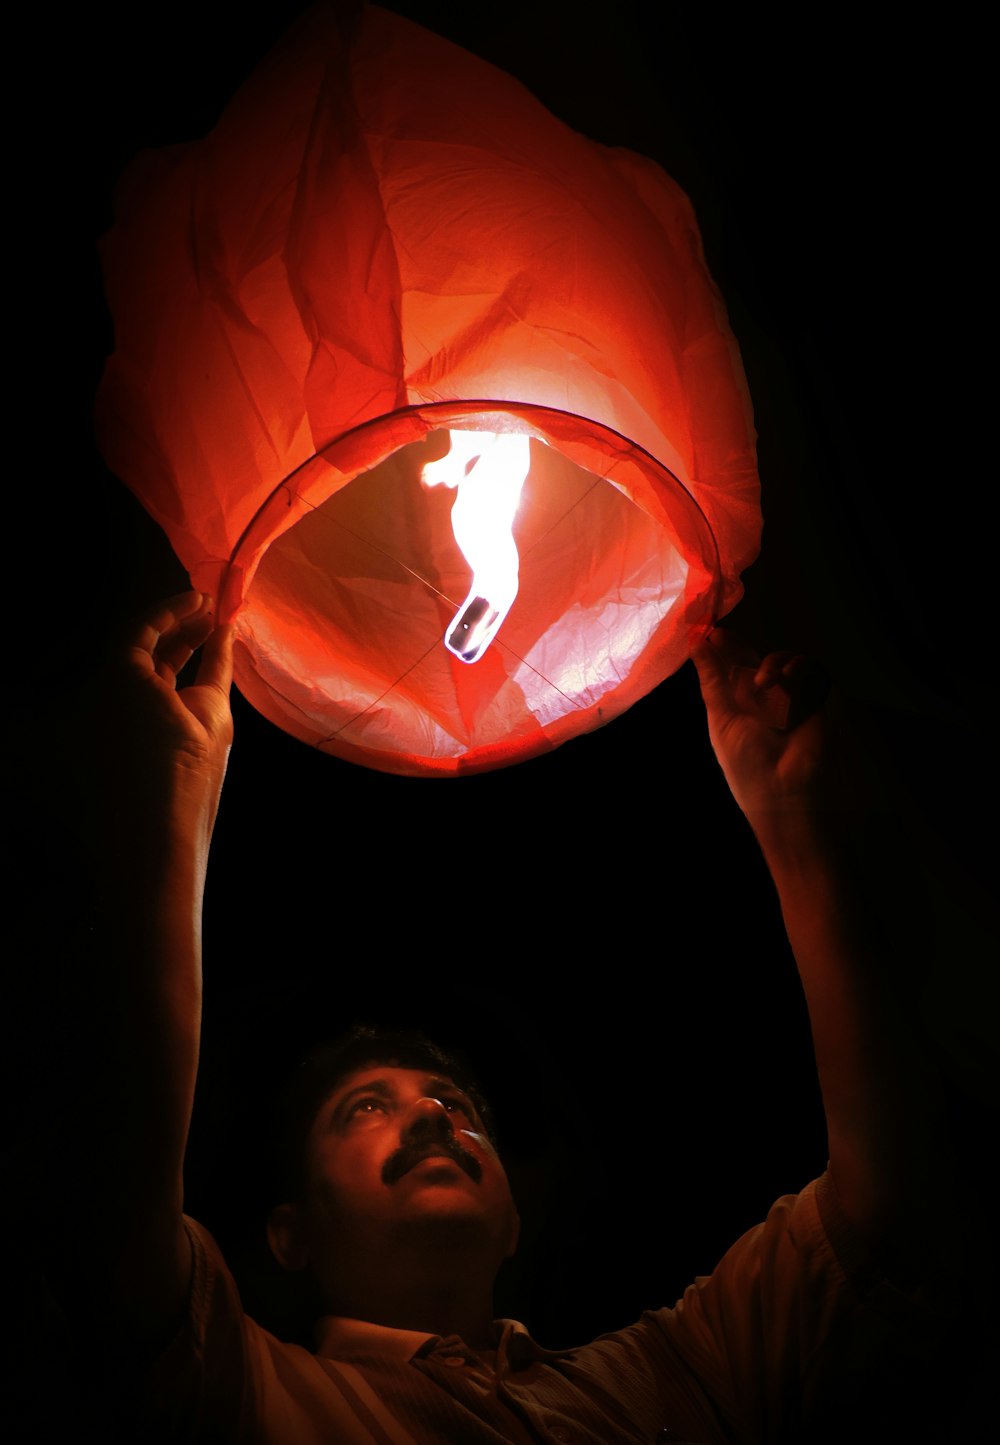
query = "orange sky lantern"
x=390 y=285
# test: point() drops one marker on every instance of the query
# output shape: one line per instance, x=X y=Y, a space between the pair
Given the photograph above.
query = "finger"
x=770 y=705
x=177 y=646
x=199 y=628
x=734 y=677
x=777 y=668
x=716 y=659
x=713 y=678
x=797 y=677
x=215 y=666
x=172 y=656
x=175 y=649
x=164 y=619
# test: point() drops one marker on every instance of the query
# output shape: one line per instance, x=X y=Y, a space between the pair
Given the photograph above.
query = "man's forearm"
x=880 y=1086
x=125 y=1245
x=146 y=966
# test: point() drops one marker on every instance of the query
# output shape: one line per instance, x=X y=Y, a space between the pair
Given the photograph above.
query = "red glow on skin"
x=394 y=1144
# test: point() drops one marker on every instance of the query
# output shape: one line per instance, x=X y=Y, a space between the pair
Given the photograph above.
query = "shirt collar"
x=516 y=1345
x=337 y=1335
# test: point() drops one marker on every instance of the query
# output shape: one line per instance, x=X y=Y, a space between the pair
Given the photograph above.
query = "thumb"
x=215 y=665
x=714 y=659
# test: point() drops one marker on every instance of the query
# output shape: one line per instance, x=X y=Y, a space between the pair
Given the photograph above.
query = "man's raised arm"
x=879 y=1083
x=150 y=762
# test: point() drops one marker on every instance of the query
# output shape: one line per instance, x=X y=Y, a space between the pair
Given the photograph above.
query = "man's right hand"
x=155 y=754
x=159 y=647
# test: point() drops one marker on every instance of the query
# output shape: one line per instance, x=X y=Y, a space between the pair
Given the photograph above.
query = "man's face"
x=395 y=1151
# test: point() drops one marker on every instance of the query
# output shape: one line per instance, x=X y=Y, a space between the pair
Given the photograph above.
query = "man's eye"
x=458 y=1106
x=366 y=1106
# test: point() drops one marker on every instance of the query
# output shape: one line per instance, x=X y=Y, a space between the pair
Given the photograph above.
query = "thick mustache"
x=408 y=1155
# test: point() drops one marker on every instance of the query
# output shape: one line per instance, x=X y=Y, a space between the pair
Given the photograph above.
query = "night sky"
x=622 y=977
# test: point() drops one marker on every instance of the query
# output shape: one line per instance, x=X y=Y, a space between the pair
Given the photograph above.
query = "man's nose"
x=428 y=1118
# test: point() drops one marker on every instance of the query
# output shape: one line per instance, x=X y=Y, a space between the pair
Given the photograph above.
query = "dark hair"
x=325 y=1066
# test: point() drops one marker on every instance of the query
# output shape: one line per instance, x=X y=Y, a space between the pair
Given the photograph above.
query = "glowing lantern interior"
x=386 y=579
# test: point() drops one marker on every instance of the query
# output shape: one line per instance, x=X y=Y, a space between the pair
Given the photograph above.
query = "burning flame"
x=488 y=471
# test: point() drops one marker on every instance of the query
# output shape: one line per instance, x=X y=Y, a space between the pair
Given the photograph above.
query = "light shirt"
x=791 y=1316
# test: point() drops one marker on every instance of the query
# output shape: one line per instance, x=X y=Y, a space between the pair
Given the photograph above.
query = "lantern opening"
x=487 y=472
x=352 y=574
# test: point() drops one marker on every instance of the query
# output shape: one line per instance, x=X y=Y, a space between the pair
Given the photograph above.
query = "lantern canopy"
x=384 y=240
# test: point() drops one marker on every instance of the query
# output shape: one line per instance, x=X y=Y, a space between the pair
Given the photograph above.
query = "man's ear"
x=286 y=1236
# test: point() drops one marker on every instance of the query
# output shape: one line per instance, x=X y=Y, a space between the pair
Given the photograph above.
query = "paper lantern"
x=384 y=239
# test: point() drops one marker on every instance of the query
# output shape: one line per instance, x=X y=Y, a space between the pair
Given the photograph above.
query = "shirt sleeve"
x=224 y=1380
x=790 y=1332
x=199 y=1387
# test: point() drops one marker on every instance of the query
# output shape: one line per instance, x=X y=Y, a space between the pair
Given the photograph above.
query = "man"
x=399 y=1205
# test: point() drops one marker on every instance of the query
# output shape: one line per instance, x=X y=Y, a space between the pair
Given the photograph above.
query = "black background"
x=623 y=980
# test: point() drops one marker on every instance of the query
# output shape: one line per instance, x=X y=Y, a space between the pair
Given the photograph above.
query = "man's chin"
x=438 y=1187
x=443 y=1224
x=438 y=1193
